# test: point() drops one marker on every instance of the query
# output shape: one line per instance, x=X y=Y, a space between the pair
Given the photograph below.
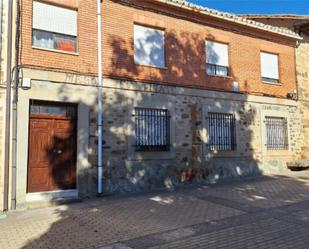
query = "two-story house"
x=190 y=95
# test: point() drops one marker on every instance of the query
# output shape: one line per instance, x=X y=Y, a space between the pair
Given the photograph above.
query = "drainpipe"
x=100 y=102
x=8 y=108
x=1 y=15
x=14 y=109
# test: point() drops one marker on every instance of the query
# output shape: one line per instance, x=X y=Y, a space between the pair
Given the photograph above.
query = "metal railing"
x=277 y=134
x=221 y=132
x=213 y=69
x=152 y=129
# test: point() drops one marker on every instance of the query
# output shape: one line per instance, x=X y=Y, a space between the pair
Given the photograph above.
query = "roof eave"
x=233 y=18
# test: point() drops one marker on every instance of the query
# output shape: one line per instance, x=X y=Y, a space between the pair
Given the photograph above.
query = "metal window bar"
x=215 y=69
x=221 y=132
x=277 y=133
x=152 y=129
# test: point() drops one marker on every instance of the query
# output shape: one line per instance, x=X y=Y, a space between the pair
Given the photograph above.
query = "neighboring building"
x=300 y=25
x=190 y=95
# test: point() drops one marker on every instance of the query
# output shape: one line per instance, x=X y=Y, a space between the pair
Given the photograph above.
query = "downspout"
x=100 y=101
x=8 y=108
x=1 y=16
x=296 y=73
x=14 y=109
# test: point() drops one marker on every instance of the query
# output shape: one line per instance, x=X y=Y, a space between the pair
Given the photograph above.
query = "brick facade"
x=185 y=36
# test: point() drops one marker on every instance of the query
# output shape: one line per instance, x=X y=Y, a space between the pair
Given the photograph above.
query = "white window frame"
x=216 y=62
x=269 y=67
x=46 y=24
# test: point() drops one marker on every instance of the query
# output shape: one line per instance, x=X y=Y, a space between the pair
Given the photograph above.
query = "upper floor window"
x=149 y=46
x=217 y=59
x=54 y=27
x=269 y=67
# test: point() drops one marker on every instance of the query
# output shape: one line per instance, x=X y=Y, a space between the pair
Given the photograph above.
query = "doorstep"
x=51 y=198
x=2 y=215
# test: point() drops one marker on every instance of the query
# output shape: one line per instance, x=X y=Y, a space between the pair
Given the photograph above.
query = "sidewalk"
x=265 y=212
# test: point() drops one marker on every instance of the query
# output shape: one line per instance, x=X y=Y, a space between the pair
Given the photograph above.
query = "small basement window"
x=152 y=129
x=54 y=27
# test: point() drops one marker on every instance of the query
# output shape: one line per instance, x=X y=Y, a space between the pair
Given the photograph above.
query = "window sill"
x=278 y=153
x=222 y=153
x=220 y=76
x=150 y=66
x=149 y=155
x=272 y=83
x=55 y=51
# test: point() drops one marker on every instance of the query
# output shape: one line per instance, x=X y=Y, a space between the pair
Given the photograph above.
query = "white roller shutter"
x=54 y=19
x=269 y=65
x=148 y=46
x=217 y=53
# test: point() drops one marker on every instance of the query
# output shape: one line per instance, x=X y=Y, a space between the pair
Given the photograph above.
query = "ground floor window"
x=152 y=129
x=277 y=135
x=221 y=132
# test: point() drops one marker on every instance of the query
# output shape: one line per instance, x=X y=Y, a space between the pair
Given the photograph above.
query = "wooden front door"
x=52 y=147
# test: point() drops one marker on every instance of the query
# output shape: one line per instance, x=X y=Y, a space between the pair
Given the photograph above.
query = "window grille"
x=222 y=132
x=152 y=129
x=277 y=135
x=213 y=69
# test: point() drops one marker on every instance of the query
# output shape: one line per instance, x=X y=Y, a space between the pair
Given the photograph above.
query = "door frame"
x=52 y=117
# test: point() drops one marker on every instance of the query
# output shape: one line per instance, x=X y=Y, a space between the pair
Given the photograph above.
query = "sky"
x=300 y=7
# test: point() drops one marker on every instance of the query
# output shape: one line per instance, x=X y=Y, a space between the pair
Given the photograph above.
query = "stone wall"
x=191 y=161
x=302 y=60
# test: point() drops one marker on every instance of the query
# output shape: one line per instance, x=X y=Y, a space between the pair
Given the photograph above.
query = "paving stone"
x=270 y=212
